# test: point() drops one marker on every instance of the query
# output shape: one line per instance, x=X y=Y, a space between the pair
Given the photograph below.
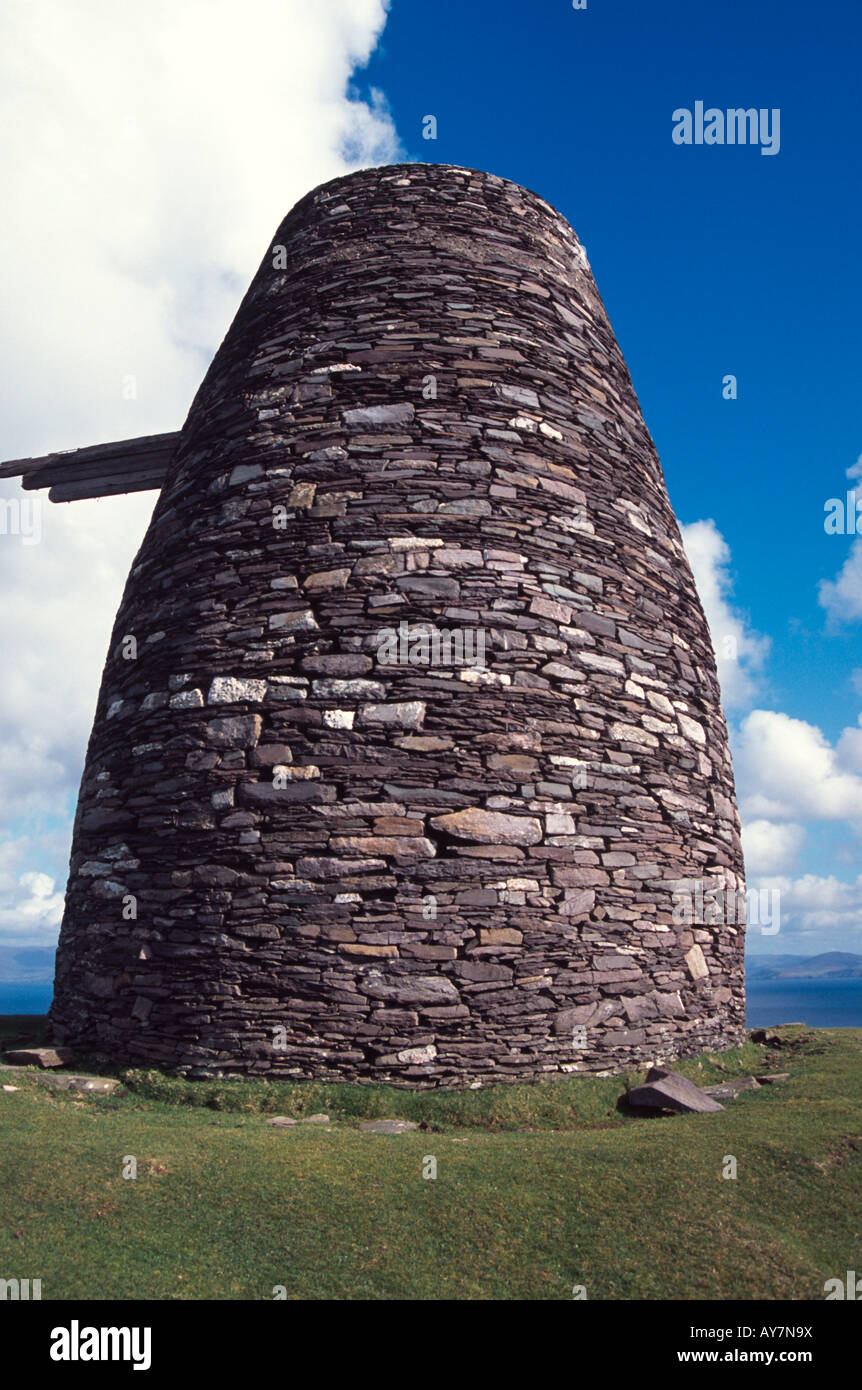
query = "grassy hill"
x=538 y=1188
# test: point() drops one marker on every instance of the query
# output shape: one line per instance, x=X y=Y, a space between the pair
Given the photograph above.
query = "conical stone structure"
x=409 y=761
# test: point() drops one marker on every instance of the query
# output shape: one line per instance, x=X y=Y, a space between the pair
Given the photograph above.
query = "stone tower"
x=409 y=761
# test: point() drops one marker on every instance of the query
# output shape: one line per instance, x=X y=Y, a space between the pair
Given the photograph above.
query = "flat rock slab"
x=286 y=1121
x=41 y=1056
x=667 y=1090
x=65 y=1081
x=726 y=1090
x=770 y=1078
x=387 y=1126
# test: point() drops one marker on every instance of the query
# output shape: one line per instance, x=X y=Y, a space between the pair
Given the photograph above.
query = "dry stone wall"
x=409 y=731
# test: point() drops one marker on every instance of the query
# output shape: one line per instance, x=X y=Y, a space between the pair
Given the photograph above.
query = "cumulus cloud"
x=771 y=848
x=148 y=157
x=30 y=908
x=60 y=598
x=848 y=749
x=788 y=771
x=819 y=913
x=842 y=597
x=739 y=651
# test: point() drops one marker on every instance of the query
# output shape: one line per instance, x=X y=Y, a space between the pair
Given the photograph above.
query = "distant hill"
x=830 y=965
x=26 y=965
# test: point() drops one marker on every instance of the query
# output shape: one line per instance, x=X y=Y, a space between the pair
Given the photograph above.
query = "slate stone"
x=41 y=1056
x=489 y=827
x=277 y=798
x=242 y=731
x=667 y=1090
x=411 y=989
x=399 y=414
x=387 y=1126
x=728 y=1090
x=79 y=1084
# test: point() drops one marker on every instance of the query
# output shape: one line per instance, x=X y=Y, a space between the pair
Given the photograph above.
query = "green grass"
x=539 y=1188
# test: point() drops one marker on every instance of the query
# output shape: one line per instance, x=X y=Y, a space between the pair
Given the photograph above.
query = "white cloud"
x=31 y=910
x=787 y=770
x=148 y=155
x=842 y=597
x=739 y=652
x=818 y=913
x=848 y=749
x=60 y=598
x=770 y=848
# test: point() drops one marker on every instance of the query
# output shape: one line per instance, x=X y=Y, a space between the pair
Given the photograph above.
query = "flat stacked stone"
x=294 y=858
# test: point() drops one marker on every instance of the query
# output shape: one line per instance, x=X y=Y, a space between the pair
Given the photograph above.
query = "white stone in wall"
x=630 y=733
x=518 y=395
x=602 y=663
x=414 y=542
x=691 y=728
x=418 y=1056
x=299 y=620
x=409 y=714
x=338 y=718
x=187 y=699
x=232 y=690
x=477 y=675
x=332 y=688
x=696 y=962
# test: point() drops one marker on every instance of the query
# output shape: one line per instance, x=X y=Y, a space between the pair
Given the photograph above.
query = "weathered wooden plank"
x=112 y=469
x=101 y=469
x=106 y=487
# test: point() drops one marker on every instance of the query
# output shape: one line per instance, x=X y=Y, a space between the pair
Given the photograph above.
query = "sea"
x=25 y=999
x=819 y=1003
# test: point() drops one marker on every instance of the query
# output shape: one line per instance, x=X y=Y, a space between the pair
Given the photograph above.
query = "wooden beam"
x=99 y=470
x=107 y=487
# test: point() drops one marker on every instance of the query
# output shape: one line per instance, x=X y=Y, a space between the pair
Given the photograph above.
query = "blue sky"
x=162 y=151
x=711 y=260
